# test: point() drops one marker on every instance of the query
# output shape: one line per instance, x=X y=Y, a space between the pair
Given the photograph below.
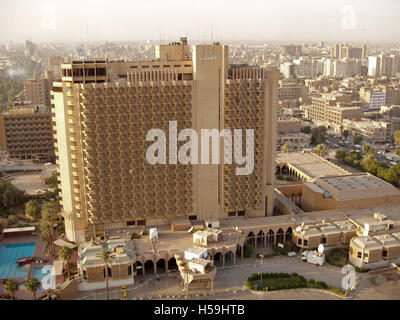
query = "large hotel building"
x=103 y=111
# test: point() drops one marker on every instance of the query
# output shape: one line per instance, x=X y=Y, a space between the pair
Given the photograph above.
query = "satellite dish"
x=321 y=248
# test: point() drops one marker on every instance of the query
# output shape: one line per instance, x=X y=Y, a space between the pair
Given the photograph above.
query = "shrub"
x=32 y=209
x=248 y=250
x=361 y=270
x=337 y=256
x=311 y=282
x=321 y=285
x=280 y=177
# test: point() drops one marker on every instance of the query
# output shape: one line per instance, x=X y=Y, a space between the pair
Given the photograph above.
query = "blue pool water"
x=39 y=273
x=9 y=253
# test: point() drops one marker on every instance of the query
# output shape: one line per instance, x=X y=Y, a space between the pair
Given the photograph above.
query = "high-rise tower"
x=103 y=111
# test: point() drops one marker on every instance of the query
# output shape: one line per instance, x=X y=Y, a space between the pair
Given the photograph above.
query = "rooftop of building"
x=355 y=186
x=377 y=242
x=366 y=123
x=179 y=241
x=202 y=262
x=334 y=227
x=123 y=251
x=310 y=164
x=26 y=109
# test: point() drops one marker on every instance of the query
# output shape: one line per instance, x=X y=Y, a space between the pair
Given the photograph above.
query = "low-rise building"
x=299 y=140
x=371 y=131
x=375 y=252
x=92 y=269
x=328 y=234
x=331 y=110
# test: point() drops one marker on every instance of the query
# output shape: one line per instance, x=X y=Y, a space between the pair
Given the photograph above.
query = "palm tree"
x=287 y=147
x=11 y=287
x=367 y=149
x=47 y=235
x=66 y=254
x=105 y=256
x=32 y=285
x=396 y=136
x=321 y=150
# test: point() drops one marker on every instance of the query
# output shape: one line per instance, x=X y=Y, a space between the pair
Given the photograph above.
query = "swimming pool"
x=39 y=273
x=9 y=253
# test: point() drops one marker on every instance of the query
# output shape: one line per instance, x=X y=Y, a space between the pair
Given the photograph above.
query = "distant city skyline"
x=256 y=20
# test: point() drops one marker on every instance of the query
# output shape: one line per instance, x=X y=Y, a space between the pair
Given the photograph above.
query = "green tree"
x=396 y=136
x=106 y=258
x=52 y=181
x=32 y=285
x=287 y=147
x=318 y=135
x=345 y=133
x=306 y=130
x=10 y=196
x=367 y=149
x=321 y=150
x=47 y=234
x=11 y=287
x=371 y=164
x=341 y=154
x=32 y=209
x=50 y=211
x=66 y=254
x=357 y=139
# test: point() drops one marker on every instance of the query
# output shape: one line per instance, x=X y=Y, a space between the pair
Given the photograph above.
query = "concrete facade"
x=103 y=111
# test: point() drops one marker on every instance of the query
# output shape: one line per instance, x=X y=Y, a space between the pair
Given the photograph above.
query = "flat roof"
x=23 y=229
x=355 y=186
x=196 y=250
x=310 y=164
x=202 y=262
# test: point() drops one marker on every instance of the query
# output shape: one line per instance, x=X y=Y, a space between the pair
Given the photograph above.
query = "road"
x=229 y=283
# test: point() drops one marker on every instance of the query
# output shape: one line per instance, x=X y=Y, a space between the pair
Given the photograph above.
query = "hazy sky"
x=120 y=20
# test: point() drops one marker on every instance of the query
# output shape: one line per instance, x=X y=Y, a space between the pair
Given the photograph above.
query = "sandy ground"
x=30 y=183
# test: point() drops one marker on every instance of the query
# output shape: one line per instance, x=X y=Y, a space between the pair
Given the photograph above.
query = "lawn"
x=282 y=281
x=276 y=281
x=338 y=257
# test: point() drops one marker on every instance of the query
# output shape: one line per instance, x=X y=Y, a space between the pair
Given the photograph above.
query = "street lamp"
x=262 y=258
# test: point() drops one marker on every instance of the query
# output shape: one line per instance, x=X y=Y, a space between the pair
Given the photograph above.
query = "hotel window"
x=192 y=217
x=241 y=213
x=299 y=241
x=323 y=239
x=359 y=255
x=384 y=253
x=305 y=242
x=141 y=222
x=232 y=214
